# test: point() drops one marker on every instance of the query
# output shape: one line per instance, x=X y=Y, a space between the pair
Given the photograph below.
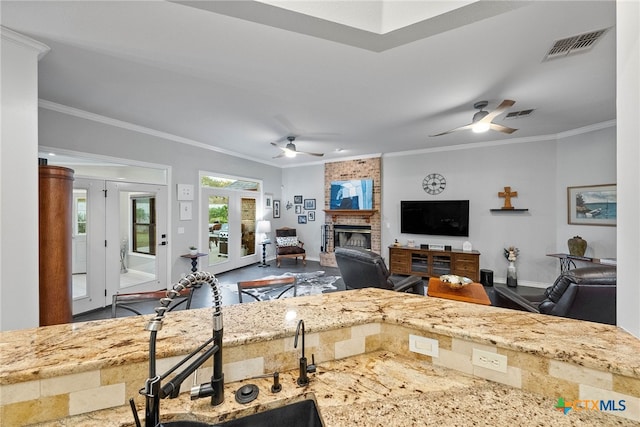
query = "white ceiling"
x=239 y=75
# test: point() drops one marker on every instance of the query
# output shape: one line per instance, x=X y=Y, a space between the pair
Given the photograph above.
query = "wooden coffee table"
x=473 y=292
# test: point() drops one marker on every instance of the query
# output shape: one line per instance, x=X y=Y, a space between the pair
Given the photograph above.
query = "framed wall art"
x=268 y=201
x=302 y=219
x=352 y=194
x=592 y=205
x=297 y=200
x=310 y=204
x=311 y=215
x=276 y=208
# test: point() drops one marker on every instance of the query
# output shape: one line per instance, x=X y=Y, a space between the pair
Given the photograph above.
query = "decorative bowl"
x=455 y=282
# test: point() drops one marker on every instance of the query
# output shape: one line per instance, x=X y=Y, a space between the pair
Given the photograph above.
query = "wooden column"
x=56 y=205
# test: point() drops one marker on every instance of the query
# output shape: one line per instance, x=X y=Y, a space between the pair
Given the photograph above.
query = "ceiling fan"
x=290 y=149
x=482 y=120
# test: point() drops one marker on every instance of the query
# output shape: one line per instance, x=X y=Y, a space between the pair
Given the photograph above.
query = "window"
x=81 y=215
x=144 y=224
x=229 y=183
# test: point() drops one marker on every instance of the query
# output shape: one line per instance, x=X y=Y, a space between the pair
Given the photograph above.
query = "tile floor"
x=202 y=296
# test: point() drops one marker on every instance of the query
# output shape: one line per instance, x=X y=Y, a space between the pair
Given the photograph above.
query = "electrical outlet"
x=488 y=360
x=422 y=345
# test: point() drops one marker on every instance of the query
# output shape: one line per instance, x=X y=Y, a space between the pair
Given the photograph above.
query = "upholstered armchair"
x=288 y=245
x=361 y=268
x=587 y=293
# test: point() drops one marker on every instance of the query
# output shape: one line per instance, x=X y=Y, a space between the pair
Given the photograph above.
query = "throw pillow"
x=287 y=241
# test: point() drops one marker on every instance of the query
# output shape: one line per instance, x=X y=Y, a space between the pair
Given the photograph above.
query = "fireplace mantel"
x=367 y=213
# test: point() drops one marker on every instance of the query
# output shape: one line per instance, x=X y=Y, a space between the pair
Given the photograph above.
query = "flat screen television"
x=435 y=217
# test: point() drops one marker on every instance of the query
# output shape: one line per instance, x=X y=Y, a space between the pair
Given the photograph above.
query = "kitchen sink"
x=299 y=414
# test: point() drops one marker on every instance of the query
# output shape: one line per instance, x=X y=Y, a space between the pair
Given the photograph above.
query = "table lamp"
x=264 y=227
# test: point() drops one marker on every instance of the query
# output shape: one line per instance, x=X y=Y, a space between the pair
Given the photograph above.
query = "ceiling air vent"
x=519 y=114
x=575 y=44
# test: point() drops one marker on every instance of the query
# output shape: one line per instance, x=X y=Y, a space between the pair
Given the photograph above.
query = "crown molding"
x=22 y=40
x=552 y=137
x=144 y=130
x=325 y=161
x=587 y=129
x=82 y=114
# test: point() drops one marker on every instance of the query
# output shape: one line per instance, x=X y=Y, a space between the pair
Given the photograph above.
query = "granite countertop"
x=64 y=349
x=370 y=389
x=375 y=389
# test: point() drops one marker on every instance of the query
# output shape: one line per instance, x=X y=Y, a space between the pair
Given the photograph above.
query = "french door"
x=119 y=242
x=228 y=224
x=88 y=250
x=136 y=238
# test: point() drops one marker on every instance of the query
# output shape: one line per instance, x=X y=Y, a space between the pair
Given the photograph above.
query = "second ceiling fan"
x=482 y=120
x=290 y=150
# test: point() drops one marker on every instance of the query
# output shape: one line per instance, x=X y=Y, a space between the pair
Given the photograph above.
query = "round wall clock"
x=434 y=183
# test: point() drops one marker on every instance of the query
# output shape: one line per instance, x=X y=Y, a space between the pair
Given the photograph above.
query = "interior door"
x=136 y=237
x=228 y=221
x=88 y=251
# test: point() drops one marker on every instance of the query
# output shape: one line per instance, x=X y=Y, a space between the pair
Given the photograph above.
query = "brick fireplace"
x=369 y=168
x=352 y=235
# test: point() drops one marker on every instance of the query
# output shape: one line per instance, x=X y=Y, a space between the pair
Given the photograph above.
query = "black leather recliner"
x=587 y=293
x=365 y=269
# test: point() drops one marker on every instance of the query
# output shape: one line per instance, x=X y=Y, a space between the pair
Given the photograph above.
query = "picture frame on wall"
x=297 y=200
x=268 y=201
x=592 y=205
x=310 y=204
x=298 y=209
x=276 y=208
x=302 y=219
x=311 y=215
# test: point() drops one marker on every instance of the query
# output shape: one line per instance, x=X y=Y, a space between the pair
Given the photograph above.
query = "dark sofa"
x=361 y=268
x=587 y=293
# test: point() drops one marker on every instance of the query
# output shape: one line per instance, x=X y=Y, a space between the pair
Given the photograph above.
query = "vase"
x=577 y=246
x=193 y=252
x=512 y=275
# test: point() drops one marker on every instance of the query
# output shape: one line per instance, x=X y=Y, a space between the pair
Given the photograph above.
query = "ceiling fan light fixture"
x=290 y=149
x=479 y=116
x=483 y=120
x=480 y=127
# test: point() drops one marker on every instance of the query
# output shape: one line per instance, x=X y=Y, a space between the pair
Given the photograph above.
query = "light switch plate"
x=422 y=345
x=185 y=192
x=186 y=211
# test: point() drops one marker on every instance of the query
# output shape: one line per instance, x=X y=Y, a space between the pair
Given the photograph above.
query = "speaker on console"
x=486 y=277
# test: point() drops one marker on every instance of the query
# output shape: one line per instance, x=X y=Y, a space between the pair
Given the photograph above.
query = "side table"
x=264 y=254
x=194 y=260
x=567 y=261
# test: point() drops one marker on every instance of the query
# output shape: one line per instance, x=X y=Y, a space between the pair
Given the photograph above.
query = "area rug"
x=312 y=283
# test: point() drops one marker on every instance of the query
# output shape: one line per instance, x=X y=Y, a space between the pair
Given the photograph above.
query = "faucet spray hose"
x=189 y=281
x=153 y=389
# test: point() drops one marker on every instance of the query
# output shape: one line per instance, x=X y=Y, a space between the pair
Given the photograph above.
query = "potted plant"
x=193 y=250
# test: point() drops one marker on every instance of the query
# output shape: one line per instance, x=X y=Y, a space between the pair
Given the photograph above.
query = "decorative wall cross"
x=507 y=194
